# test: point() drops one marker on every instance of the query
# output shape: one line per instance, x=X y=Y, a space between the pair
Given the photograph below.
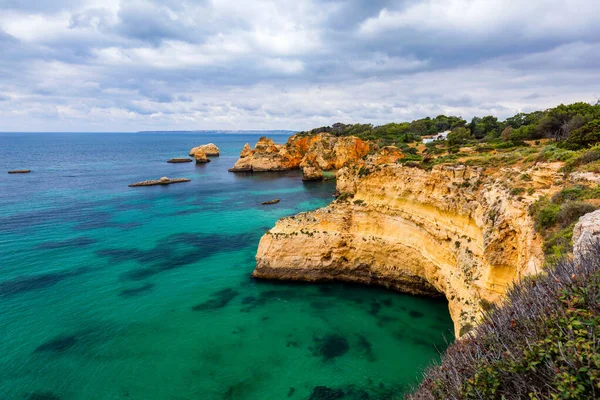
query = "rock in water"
x=312 y=173
x=323 y=150
x=19 y=171
x=274 y=201
x=179 y=160
x=201 y=157
x=162 y=181
x=210 y=150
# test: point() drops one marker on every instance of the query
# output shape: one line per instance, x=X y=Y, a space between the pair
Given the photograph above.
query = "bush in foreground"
x=543 y=343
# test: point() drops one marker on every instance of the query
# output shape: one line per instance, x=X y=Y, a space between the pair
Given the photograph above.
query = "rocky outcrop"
x=586 y=234
x=311 y=173
x=269 y=202
x=162 y=181
x=454 y=231
x=179 y=160
x=312 y=153
x=210 y=150
x=201 y=157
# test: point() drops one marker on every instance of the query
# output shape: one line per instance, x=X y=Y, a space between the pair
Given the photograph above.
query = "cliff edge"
x=453 y=230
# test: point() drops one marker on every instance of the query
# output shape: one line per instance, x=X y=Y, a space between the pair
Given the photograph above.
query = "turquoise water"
x=111 y=292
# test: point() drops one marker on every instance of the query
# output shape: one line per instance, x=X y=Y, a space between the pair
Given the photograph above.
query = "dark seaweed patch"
x=375 y=308
x=41 y=396
x=321 y=305
x=330 y=346
x=219 y=300
x=387 y=302
x=353 y=392
x=291 y=392
x=58 y=344
x=136 y=291
x=175 y=251
x=248 y=300
x=69 y=243
x=325 y=393
x=366 y=348
x=416 y=314
x=36 y=282
x=385 y=319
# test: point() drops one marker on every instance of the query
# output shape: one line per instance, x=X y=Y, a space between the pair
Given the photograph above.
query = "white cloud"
x=530 y=19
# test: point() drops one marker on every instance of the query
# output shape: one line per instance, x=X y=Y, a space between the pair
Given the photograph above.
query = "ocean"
x=111 y=292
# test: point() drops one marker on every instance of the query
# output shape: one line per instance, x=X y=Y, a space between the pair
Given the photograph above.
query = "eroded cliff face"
x=454 y=231
x=314 y=154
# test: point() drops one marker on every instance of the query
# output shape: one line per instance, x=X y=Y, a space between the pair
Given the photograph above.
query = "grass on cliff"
x=543 y=343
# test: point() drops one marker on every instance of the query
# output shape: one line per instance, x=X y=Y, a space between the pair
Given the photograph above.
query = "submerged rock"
x=274 y=201
x=325 y=393
x=162 y=181
x=19 y=171
x=179 y=160
x=331 y=346
x=210 y=150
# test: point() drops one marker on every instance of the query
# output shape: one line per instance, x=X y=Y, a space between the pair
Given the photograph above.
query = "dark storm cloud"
x=177 y=64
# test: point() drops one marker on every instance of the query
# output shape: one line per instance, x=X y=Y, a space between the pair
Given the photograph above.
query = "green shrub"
x=544 y=213
x=542 y=343
x=568 y=194
x=571 y=211
x=588 y=157
x=517 y=191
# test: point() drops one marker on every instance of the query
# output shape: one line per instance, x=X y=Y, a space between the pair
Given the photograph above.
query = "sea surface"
x=111 y=292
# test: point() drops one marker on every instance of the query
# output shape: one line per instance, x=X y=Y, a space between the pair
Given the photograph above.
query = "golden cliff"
x=454 y=231
x=312 y=153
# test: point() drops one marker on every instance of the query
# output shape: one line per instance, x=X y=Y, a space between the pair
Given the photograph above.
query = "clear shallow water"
x=110 y=292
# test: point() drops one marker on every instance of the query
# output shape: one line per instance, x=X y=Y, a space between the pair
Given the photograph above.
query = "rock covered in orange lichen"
x=322 y=151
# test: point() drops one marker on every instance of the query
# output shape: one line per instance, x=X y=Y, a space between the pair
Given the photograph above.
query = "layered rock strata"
x=454 y=231
x=313 y=154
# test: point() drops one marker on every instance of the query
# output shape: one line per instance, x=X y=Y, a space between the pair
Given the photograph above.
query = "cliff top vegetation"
x=568 y=135
x=542 y=343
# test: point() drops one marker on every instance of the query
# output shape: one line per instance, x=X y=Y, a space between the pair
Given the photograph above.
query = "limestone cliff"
x=455 y=231
x=312 y=153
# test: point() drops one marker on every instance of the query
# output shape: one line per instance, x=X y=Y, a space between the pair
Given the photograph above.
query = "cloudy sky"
x=128 y=65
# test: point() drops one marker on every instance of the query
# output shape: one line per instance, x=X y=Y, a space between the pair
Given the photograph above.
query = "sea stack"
x=312 y=173
x=210 y=150
x=200 y=156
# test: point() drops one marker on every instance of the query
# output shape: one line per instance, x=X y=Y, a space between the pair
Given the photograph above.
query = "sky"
x=111 y=65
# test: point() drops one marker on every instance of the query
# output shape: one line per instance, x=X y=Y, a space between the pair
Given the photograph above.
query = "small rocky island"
x=162 y=181
x=274 y=201
x=201 y=153
x=179 y=160
x=19 y=171
x=211 y=150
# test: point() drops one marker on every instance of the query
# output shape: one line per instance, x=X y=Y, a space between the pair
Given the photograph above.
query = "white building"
x=436 y=137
